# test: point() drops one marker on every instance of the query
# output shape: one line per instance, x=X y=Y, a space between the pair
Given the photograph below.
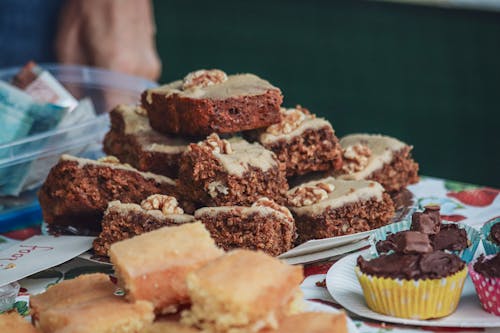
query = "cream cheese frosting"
x=344 y=192
x=150 y=140
x=307 y=122
x=235 y=85
x=148 y=175
x=382 y=152
x=245 y=155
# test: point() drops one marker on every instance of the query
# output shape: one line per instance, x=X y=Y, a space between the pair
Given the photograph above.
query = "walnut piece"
x=165 y=203
x=356 y=158
x=203 y=78
x=290 y=120
x=216 y=144
x=110 y=159
x=141 y=111
x=266 y=202
x=307 y=195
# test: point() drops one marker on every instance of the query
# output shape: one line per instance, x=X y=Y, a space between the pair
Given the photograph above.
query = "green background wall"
x=429 y=76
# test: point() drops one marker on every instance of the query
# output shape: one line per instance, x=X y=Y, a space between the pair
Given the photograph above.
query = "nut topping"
x=203 y=78
x=166 y=204
x=309 y=194
x=266 y=202
x=356 y=158
x=141 y=111
x=110 y=159
x=216 y=144
x=290 y=120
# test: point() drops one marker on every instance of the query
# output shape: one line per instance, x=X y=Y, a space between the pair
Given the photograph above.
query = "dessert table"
x=463 y=203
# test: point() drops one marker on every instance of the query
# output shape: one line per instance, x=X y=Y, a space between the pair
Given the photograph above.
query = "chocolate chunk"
x=428 y=221
x=488 y=267
x=451 y=238
x=393 y=265
x=405 y=242
x=439 y=264
x=432 y=265
x=495 y=233
x=412 y=242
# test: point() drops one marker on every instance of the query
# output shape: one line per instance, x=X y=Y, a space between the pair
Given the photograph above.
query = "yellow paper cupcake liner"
x=413 y=299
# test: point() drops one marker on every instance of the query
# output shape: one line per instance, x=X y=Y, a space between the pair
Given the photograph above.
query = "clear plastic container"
x=40 y=152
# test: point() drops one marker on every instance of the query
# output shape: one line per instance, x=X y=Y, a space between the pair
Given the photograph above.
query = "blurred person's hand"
x=113 y=34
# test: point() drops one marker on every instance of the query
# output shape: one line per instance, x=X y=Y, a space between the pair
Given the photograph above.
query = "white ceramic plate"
x=318 y=307
x=343 y=285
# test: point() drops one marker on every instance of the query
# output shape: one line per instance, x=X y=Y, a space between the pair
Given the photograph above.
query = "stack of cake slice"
x=230 y=146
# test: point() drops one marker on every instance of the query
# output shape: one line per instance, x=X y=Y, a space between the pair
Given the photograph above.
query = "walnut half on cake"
x=329 y=207
x=380 y=158
x=209 y=101
x=302 y=141
x=219 y=172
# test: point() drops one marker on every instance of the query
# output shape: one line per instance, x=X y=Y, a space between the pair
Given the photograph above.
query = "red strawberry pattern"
x=453 y=218
x=480 y=197
x=22 y=234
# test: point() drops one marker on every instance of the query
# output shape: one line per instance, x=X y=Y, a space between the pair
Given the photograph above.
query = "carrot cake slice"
x=264 y=226
x=219 y=172
x=380 y=158
x=77 y=191
x=329 y=207
x=243 y=291
x=302 y=141
x=87 y=304
x=133 y=141
x=125 y=220
x=209 y=101
x=153 y=266
x=12 y=322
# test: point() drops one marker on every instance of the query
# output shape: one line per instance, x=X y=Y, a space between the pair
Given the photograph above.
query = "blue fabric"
x=27 y=31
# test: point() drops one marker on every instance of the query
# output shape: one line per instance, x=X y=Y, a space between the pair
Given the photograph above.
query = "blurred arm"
x=113 y=34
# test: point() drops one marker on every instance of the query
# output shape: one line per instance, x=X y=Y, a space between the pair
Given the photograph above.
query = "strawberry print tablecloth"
x=462 y=203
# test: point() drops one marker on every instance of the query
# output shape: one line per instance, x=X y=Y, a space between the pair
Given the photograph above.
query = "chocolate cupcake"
x=485 y=274
x=413 y=281
x=459 y=239
x=491 y=236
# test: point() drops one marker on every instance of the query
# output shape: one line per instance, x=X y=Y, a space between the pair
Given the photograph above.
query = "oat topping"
x=291 y=120
x=266 y=202
x=165 y=203
x=356 y=158
x=309 y=195
x=216 y=144
x=203 y=78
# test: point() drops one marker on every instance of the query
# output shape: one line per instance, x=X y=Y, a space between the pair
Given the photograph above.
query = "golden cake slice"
x=87 y=304
x=169 y=327
x=243 y=291
x=314 y=322
x=84 y=288
x=153 y=266
x=13 y=323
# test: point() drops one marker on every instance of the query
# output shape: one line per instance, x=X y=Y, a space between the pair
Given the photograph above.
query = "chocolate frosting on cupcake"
x=451 y=238
x=495 y=234
x=434 y=265
x=488 y=267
